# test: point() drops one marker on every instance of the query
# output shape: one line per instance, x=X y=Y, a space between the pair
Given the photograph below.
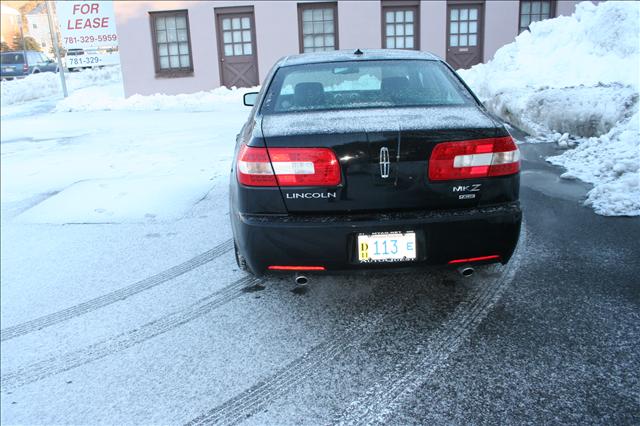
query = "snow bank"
x=583 y=111
x=47 y=84
x=596 y=45
x=612 y=163
x=213 y=100
x=101 y=90
x=575 y=80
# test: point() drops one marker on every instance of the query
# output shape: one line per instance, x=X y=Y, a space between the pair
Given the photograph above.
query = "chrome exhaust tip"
x=466 y=271
x=301 y=280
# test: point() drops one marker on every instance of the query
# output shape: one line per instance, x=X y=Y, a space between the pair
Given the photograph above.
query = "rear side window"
x=12 y=58
x=364 y=84
x=33 y=57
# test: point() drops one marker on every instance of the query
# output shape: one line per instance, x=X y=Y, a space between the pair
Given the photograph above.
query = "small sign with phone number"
x=91 y=60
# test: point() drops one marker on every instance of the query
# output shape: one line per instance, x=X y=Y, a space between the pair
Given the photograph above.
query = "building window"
x=236 y=36
x=34 y=26
x=401 y=25
x=171 y=43
x=532 y=11
x=318 y=27
x=463 y=27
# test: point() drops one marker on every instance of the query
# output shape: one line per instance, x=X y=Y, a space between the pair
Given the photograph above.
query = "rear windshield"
x=12 y=58
x=363 y=84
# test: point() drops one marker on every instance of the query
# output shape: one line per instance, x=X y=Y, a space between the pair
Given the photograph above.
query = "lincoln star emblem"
x=385 y=164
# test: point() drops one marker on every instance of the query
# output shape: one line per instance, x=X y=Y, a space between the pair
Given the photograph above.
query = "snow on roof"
x=6 y=10
x=349 y=55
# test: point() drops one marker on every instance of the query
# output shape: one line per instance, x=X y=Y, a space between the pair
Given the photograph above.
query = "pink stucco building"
x=186 y=46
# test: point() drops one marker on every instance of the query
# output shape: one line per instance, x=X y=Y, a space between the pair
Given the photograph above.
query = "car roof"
x=350 y=55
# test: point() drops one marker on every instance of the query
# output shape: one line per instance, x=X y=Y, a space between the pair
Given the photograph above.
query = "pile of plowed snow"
x=612 y=163
x=98 y=99
x=47 y=84
x=575 y=80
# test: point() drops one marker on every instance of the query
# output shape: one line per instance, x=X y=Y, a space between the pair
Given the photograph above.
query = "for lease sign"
x=87 y=24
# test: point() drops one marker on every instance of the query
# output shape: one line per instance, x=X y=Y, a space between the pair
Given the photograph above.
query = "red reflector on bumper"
x=296 y=268
x=474 y=259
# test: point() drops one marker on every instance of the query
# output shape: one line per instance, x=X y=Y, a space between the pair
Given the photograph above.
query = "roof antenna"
x=358 y=52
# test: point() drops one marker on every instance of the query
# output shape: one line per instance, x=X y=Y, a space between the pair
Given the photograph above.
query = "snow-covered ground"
x=156 y=167
x=47 y=85
x=112 y=159
x=574 y=81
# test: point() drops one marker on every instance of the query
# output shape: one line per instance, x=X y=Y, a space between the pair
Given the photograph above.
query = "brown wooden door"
x=465 y=33
x=237 y=48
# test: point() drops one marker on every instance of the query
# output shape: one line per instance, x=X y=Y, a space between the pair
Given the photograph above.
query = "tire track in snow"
x=472 y=309
x=378 y=404
x=59 y=364
x=115 y=296
x=257 y=397
x=260 y=395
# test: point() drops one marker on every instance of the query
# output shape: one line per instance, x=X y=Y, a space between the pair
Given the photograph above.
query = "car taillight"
x=25 y=67
x=474 y=159
x=288 y=167
x=254 y=168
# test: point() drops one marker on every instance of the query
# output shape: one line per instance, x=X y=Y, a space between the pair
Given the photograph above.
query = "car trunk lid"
x=383 y=155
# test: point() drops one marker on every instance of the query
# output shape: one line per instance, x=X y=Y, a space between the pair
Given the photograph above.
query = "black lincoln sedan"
x=369 y=160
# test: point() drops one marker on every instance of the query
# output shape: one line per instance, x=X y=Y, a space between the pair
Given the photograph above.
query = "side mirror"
x=250 y=98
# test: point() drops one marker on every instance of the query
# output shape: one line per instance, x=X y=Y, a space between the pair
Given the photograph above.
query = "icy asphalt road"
x=179 y=335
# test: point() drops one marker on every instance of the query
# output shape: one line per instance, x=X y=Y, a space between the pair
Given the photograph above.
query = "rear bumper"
x=330 y=241
x=11 y=76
